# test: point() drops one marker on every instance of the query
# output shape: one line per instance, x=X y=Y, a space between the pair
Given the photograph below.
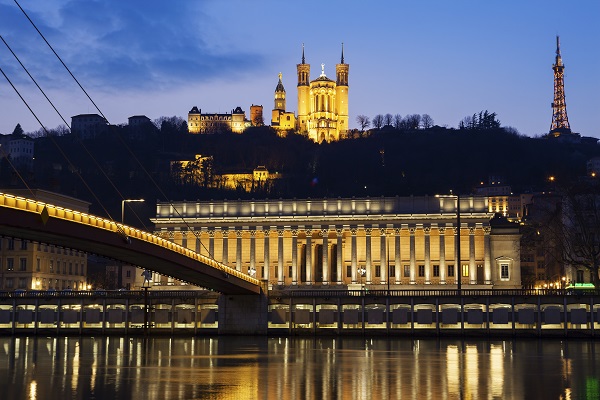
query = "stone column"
x=308 y=255
x=397 y=256
x=368 y=263
x=294 y=256
x=442 y=232
x=211 y=243
x=252 y=251
x=427 y=240
x=225 y=234
x=340 y=262
x=472 y=266
x=280 y=273
x=413 y=261
x=238 y=249
x=383 y=256
x=457 y=256
x=487 y=265
x=353 y=254
x=267 y=255
x=325 y=233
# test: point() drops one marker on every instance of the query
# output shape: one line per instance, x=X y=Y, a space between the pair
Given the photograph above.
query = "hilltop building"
x=19 y=148
x=88 y=126
x=322 y=102
x=282 y=120
x=199 y=122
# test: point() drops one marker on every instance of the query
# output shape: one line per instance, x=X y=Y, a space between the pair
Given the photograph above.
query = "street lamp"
x=123 y=206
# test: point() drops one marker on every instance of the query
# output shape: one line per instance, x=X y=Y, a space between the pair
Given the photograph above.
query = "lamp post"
x=123 y=206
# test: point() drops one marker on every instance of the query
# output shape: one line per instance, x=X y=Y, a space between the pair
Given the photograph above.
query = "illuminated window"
x=504 y=272
x=407 y=271
x=465 y=270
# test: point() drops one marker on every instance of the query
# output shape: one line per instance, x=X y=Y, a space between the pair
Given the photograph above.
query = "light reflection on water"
x=295 y=368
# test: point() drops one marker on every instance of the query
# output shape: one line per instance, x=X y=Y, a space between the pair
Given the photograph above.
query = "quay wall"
x=531 y=313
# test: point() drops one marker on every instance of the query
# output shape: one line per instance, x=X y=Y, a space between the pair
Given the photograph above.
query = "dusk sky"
x=448 y=59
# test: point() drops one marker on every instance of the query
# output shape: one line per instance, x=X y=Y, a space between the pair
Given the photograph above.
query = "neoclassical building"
x=322 y=102
x=199 y=122
x=400 y=242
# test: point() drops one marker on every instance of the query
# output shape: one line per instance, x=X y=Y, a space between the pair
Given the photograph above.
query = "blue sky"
x=448 y=59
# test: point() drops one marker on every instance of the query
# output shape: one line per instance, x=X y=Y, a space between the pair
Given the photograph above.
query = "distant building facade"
x=405 y=242
x=87 y=126
x=199 y=122
x=282 y=120
x=19 y=149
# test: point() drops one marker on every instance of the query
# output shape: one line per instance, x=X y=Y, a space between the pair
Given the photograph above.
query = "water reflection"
x=295 y=368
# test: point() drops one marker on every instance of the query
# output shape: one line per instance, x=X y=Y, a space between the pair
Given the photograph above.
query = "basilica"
x=322 y=104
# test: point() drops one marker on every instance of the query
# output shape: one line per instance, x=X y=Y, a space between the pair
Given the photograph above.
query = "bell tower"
x=560 y=122
x=303 y=93
x=341 y=94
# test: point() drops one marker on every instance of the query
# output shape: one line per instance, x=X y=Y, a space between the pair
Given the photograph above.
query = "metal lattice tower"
x=560 y=122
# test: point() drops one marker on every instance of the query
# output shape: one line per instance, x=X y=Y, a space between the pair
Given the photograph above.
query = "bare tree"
x=412 y=121
x=378 y=121
x=362 y=121
x=398 y=121
x=426 y=121
x=388 y=119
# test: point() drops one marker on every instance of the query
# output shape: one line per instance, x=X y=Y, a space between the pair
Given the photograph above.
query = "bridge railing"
x=24 y=204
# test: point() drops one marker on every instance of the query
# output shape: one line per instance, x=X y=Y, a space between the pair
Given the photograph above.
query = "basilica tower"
x=341 y=94
x=303 y=93
x=560 y=122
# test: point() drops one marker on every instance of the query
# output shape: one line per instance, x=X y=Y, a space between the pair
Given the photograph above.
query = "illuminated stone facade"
x=345 y=242
x=282 y=120
x=214 y=123
x=323 y=103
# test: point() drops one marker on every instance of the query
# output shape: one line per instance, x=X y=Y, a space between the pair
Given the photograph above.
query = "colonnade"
x=350 y=254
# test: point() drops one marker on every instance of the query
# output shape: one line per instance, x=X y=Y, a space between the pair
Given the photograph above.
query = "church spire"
x=342 y=53
x=303 y=54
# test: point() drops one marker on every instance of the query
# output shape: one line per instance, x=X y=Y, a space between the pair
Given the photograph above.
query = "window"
x=23 y=244
x=407 y=271
x=290 y=272
x=38 y=265
x=465 y=270
x=10 y=264
x=51 y=266
x=378 y=271
x=348 y=271
x=23 y=264
x=10 y=283
x=11 y=244
x=70 y=268
x=64 y=267
x=504 y=272
x=421 y=271
x=580 y=276
x=436 y=271
x=450 y=270
x=22 y=283
x=128 y=274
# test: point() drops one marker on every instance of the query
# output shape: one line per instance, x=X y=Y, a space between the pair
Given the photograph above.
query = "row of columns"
x=339 y=242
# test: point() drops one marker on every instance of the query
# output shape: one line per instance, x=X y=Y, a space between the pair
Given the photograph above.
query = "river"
x=220 y=368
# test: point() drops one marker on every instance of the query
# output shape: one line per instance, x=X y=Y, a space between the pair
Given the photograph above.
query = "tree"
x=412 y=121
x=398 y=121
x=378 y=121
x=388 y=119
x=362 y=121
x=484 y=120
x=18 y=131
x=426 y=121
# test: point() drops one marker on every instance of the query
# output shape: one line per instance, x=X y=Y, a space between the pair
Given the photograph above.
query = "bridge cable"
x=65 y=122
x=119 y=228
x=194 y=232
